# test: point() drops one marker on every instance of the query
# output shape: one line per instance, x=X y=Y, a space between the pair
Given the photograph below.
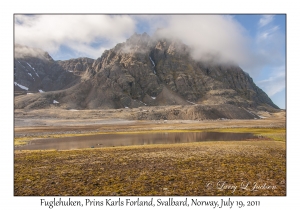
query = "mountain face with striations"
x=143 y=71
x=36 y=71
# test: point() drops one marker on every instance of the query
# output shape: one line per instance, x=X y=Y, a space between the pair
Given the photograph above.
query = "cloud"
x=23 y=51
x=264 y=34
x=209 y=36
x=77 y=32
x=269 y=47
x=220 y=38
x=275 y=83
x=265 y=20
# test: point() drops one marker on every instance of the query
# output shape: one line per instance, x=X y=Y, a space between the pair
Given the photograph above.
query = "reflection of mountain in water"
x=110 y=140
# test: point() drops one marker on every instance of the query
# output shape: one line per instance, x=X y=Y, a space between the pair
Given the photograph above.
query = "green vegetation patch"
x=189 y=169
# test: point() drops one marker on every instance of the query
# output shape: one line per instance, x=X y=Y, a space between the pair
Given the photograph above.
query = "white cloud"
x=268 y=48
x=265 y=20
x=219 y=37
x=222 y=38
x=265 y=34
x=213 y=35
x=275 y=83
x=22 y=51
x=78 y=32
x=210 y=36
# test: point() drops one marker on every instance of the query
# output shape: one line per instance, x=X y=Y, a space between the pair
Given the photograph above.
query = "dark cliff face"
x=78 y=66
x=143 y=67
x=36 y=71
x=146 y=71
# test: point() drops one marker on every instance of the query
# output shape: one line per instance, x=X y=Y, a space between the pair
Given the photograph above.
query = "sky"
x=256 y=42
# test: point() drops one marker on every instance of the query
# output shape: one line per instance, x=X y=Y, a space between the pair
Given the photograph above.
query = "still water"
x=112 y=140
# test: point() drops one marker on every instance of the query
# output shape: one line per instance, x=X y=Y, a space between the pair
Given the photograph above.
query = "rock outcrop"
x=78 y=66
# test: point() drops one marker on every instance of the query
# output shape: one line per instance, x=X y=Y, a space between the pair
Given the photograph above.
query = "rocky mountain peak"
x=152 y=71
x=138 y=38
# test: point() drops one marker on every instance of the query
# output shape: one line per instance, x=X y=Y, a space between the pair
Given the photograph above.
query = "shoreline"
x=61 y=126
x=153 y=169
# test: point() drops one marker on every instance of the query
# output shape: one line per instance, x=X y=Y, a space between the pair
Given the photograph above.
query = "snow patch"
x=21 y=65
x=41 y=91
x=153 y=65
x=29 y=65
x=143 y=103
x=21 y=86
x=250 y=112
x=29 y=93
x=153 y=97
x=126 y=107
x=262 y=117
x=55 y=102
x=33 y=69
x=191 y=102
x=152 y=61
x=70 y=71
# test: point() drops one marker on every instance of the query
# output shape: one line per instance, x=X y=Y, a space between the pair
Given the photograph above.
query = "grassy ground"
x=202 y=168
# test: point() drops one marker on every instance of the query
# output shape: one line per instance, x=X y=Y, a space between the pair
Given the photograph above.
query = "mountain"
x=36 y=71
x=147 y=71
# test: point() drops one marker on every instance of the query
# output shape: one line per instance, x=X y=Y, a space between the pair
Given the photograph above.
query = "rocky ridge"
x=150 y=71
x=36 y=71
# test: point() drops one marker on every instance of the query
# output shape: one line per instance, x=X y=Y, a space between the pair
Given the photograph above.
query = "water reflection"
x=111 y=140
